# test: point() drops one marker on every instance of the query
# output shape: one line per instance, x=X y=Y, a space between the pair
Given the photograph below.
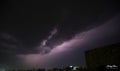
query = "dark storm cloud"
x=65 y=53
x=8 y=42
x=31 y=24
x=11 y=45
x=7 y=37
x=21 y=43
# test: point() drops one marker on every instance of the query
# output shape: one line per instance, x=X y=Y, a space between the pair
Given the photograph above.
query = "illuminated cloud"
x=44 y=48
x=80 y=40
x=52 y=33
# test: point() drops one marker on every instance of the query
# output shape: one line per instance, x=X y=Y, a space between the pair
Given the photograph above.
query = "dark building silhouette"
x=40 y=70
x=104 y=58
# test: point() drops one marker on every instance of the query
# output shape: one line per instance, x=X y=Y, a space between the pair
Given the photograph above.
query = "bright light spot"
x=71 y=66
x=75 y=68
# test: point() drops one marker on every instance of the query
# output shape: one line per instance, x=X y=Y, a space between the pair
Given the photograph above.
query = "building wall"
x=103 y=56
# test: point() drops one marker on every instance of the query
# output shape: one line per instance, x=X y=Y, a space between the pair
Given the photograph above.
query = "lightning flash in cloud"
x=43 y=46
x=84 y=40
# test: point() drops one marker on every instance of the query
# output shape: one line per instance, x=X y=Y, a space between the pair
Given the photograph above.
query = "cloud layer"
x=96 y=37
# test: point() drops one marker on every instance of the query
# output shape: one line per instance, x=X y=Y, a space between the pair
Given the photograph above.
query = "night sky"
x=36 y=33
